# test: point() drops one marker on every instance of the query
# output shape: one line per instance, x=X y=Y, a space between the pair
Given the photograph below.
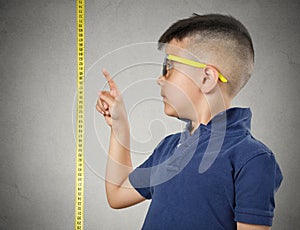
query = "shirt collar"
x=232 y=121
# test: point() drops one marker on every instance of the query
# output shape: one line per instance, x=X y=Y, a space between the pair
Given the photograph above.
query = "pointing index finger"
x=111 y=83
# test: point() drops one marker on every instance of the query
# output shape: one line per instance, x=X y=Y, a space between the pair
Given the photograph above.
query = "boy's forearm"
x=119 y=160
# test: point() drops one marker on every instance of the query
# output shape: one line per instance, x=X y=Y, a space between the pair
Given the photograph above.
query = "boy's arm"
x=119 y=192
x=244 y=226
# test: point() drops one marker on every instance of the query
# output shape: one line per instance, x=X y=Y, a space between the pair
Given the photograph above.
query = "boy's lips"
x=164 y=98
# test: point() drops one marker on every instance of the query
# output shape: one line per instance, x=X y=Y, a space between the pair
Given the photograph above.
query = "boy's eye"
x=169 y=65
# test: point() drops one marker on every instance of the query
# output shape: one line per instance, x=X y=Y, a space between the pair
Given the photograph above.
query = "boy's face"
x=179 y=87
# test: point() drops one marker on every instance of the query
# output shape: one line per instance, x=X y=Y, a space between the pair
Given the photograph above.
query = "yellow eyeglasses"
x=167 y=66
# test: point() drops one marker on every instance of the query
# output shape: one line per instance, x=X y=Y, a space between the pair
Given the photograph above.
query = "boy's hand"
x=110 y=104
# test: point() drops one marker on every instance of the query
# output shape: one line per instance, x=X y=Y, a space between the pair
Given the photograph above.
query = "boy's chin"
x=170 y=111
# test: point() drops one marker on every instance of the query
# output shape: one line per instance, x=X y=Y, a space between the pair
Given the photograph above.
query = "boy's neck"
x=206 y=111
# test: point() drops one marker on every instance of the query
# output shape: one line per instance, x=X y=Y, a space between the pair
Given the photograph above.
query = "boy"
x=214 y=175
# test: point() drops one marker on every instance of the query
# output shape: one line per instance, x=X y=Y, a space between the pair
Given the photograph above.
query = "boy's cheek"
x=177 y=94
x=177 y=103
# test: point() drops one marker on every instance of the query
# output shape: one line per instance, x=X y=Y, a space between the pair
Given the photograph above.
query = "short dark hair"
x=211 y=26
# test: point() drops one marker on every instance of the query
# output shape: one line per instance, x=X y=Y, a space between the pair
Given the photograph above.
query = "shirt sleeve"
x=150 y=173
x=255 y=187
x=140 y=178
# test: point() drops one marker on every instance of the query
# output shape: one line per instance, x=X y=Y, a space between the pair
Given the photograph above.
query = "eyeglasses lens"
x=164 y=70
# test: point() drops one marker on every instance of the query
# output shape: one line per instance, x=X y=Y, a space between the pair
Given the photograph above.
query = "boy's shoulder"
x=248 y=149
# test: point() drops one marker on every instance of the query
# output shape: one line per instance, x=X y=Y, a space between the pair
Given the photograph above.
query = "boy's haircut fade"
x=219 y=40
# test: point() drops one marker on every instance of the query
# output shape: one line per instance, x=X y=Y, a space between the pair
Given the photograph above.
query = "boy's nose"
x=159 y=80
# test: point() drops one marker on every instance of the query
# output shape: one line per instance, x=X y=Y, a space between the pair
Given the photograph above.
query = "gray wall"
x=37 y=88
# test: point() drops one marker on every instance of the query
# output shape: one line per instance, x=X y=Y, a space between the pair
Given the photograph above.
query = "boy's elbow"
x=112 y=197
x=114 y=203
x=113 y=206
x=111 y=203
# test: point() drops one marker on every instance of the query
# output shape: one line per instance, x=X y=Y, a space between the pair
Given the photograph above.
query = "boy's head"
x=217 y=40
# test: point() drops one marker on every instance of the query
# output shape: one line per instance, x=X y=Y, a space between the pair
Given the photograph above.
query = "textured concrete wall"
x=37 y=88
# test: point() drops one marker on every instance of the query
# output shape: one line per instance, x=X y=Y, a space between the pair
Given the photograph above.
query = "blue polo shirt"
x=211 y=179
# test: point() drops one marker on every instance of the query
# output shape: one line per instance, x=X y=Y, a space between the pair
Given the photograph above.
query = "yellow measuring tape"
x=79 y=193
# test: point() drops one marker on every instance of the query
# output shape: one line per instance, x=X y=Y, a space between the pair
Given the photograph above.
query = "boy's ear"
x=209 y=80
